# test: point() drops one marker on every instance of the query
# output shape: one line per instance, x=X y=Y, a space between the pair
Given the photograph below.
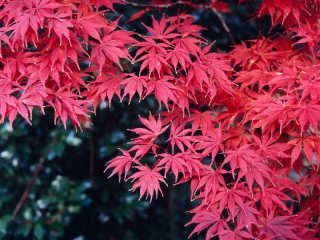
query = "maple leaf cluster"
x=44 y=44
x=241 y=128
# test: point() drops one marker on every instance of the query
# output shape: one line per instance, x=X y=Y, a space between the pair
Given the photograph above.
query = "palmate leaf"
x=230 y=199
x=164 y=90
x=174 y=163
x=272 y=198
x=68 y=105
x=209 y=183
x=201 y=120
x=281 y=227
x=250 y=165
x=248 y=214
x=148 y=181
x=120 y=164
x=308 y=144
x=60 y=26
x=308 y=34
x=180 y=138
x=239 y=233
x=268 y=146
x=308 y=114
x=272 y=112
x=154 y=63
x=134 y=84
x=112 y=46
x=209 y=220
x=114 y=49
x=90 y=24
x=312 y=180
x=106 y=86
x=153 y=130
x=260 y=54
x=210 y=143
x=281 y=10
x=159 y=30
x=310 y=89
x=179 y=56
x=193 y=161
x=34 y=95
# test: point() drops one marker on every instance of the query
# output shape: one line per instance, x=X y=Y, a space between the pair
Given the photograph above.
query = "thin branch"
x=224 y=25
x=163 y=5
x=28 y=188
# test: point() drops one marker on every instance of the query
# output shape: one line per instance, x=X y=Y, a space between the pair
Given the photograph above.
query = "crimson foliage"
x=257 y=105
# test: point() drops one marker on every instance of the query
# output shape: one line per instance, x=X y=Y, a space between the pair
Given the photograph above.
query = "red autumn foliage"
x=261 y=101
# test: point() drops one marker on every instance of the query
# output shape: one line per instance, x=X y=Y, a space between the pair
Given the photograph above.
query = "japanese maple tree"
x=240 y=127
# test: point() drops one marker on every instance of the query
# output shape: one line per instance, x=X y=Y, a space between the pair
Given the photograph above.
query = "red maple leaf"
x=121 y=164
x=239 y=233
x=231 y=199
x=308 y=114
x=208 y=219
x=179 y=137
x=106 y=85
x=134 y=84
x=59 y=24
x=248 y=214
x=154 y=128
x=148 y=180
x=280 y=10
x=174 y=163
x=90 y=24
x=201 y=120
x=164 y=90
x=281 y=227
x=209 y=183
x=160 y=31
x=250 y=165
x=210 y=143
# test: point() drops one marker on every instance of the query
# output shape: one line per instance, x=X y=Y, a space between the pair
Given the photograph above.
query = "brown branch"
x=224 y=25
x=28 y=188
x=163 y=5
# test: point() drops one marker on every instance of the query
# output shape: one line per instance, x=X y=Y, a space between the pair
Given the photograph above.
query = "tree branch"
x=28 y=188
x=224 y=25
x=162 y=5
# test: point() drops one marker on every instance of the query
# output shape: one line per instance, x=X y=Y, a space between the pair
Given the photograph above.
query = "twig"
x=163 y=5
x=224 y=25
x=28 y=188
